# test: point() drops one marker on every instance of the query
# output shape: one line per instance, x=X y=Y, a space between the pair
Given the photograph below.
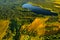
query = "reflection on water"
x=38 y=10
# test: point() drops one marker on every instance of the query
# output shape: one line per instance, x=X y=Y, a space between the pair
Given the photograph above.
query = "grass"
x=3 y=27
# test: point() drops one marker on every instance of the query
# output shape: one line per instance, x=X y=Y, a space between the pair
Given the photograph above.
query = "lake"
x=38 y=10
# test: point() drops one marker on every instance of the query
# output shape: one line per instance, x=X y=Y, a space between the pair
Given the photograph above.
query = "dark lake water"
x=38 y=10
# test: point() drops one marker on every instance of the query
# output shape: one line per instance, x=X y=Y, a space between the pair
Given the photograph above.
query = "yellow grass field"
x=3 y=27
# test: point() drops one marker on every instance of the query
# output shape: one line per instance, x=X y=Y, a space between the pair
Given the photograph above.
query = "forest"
x=17 y=23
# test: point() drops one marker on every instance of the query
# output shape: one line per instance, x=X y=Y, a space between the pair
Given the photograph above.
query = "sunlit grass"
x=3 y=27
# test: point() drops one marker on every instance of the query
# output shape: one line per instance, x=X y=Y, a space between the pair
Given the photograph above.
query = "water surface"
x=38 y=10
